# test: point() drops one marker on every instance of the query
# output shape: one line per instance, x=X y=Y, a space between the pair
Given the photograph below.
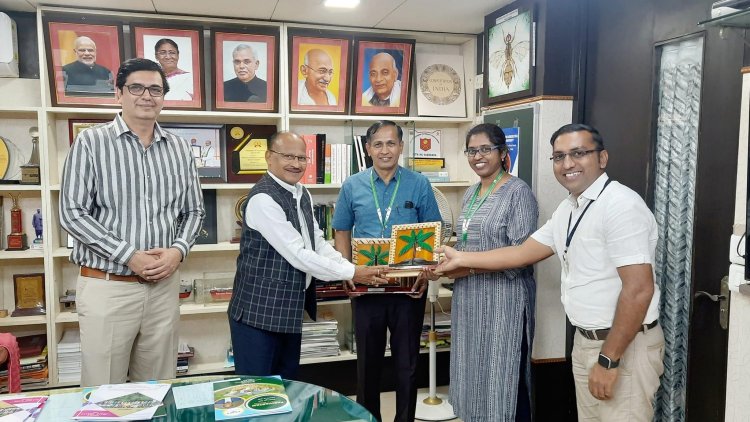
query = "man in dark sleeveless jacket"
x=281 y=250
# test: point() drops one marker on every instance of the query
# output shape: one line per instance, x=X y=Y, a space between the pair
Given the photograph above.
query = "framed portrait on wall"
x=246 y=69
x=76 y=126
x=207 y=145
x=179 y=51
x=82 y=60
x=383 y=76
x=509 y=56
x=319 y=71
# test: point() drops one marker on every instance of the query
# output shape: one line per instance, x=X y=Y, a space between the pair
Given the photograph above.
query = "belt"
x=94 y=273
x=602 y=334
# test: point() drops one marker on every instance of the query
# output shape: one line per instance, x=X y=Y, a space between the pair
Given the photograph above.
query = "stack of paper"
x=319 y=338
x=123 y=402
x=69 y=357
x=21 y=408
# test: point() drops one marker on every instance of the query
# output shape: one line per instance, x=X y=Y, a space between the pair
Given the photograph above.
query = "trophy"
x=36 y=221
x=30 y=174
x=239 y=206
x=16 y=238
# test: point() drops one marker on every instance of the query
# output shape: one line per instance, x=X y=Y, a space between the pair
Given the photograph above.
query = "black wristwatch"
x=608 y=363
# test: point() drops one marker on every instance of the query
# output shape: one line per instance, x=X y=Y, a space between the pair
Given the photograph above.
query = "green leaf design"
x=381 y=256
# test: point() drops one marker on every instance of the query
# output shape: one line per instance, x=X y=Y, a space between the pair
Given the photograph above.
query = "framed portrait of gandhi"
x=318 y=71
x=82 y=60
x=179 y=51
x=245 y=69
x=383 y=76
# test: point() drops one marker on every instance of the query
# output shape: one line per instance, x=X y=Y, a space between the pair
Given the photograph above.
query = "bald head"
x=383 y=74
x=286 y=156
x=85 y=49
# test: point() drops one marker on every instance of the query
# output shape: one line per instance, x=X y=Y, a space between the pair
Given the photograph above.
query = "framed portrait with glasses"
x=83 y=57
x=319 y=71
x=179 y=51
x=245 y=69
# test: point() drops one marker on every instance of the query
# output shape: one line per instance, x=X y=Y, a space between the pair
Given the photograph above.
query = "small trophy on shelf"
x=16 y=238
x=36 y=221
x=239 y=207
x=30 y=174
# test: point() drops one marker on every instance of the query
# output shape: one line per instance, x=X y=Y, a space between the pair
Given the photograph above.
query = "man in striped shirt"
x=131 y=199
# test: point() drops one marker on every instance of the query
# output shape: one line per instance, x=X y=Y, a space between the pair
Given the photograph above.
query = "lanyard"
x=469 y=213
x=383 y=222
x=569 y=238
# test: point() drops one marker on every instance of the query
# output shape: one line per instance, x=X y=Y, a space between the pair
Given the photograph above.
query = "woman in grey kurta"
x=492 y=313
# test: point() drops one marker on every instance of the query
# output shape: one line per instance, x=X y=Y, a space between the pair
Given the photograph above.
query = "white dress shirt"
x=323 y=262
x=617 y=230
x=304 y=98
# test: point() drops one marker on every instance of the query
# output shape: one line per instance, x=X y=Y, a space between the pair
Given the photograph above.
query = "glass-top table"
x=309 y=403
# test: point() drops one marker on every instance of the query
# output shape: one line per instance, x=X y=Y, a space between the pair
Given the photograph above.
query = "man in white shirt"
x=282 y=248
x=605 y=237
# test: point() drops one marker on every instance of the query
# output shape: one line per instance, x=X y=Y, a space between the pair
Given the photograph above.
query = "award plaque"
x=238 y=207
x=246 y=147
x=30 y=174
x=29 y=294
x=16 y=238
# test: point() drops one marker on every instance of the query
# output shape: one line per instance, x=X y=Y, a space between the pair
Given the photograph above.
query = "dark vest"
x=269 y=293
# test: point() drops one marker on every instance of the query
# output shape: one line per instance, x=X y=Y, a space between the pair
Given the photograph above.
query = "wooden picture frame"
x=375 y=77
x=319 y=62
x=28 y=291
x=370 y=251
x=247 y=82
x=83 y=56
x=509 y=53
x=76 y=126
x=246 y=147
x=207 y=144
x=183 y=65
x=420 y=238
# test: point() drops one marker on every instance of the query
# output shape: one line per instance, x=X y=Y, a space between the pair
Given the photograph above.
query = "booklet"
x=20 y=408
x=123 y=402
x=242 y=398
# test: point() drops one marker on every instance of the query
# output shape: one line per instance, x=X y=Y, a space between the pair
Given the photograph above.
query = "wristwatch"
x=608 y=363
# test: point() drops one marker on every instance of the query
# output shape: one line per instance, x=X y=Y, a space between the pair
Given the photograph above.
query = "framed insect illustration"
x=509 y=56
x=370 y=252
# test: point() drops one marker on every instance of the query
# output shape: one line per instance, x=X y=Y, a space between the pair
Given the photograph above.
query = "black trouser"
x=403 y=317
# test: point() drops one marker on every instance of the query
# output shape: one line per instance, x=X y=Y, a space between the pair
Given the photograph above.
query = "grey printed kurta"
x=489 y=310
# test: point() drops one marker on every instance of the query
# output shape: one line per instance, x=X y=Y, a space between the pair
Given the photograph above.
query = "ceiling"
x=454 y=16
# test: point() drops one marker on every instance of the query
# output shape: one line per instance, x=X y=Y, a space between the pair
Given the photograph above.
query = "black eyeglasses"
x=291 y=157
x=576 y=155
x=484 y=150
x=138 y=90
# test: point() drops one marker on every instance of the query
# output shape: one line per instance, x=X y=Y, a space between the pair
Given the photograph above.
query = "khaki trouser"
x=127 y=326
x=638 y=379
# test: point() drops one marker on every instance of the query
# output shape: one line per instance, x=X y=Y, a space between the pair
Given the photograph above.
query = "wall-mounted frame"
x=383 y=78
x=370 y=252
x=319 y=71
x=246 y=147
x=179 y=51
x=245 y=69
x=207 y=144
x=413 y=245
x=83 y=56
x=509 y=54
x=76 y=126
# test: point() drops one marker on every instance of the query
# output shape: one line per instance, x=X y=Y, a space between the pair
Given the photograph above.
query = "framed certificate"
x=207 y=146
x=29 y=294
x=246 y=147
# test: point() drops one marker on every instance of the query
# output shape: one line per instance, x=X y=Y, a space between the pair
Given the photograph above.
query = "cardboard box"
x=8 y=47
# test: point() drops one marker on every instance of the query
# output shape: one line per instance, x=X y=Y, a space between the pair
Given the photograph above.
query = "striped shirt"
x=118 y=197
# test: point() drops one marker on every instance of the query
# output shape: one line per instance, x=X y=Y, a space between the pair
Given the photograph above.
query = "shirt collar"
x=291 y=188
x=122 y=128
x=376 y=176
x=591 y=193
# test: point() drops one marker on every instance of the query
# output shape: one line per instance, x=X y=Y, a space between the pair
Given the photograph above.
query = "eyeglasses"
x=484 y=150
x=138 y=90
x=576 y=155
x=321 y=71
x=163 y=53
x=291 y=157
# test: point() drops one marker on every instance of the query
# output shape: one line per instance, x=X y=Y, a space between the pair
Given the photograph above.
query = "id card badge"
x=565 y=264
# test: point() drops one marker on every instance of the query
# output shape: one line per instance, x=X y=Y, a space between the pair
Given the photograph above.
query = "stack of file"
x=442 y=330
x=319 y=338
x=69 y=357
x=184 y=353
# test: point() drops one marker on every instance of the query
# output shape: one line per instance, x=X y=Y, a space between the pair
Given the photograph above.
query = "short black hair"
x=579 y=127
x=136 y=65
x=166 y=41
x=381 y=124
x=493 y=132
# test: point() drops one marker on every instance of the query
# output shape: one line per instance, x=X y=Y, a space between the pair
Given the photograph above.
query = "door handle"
x=722 y=298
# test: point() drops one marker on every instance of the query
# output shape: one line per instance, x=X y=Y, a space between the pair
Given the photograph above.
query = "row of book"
x=184 y=353
x=329 y=290
x=324 y=216
x=69 y=357
x=33 y=368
